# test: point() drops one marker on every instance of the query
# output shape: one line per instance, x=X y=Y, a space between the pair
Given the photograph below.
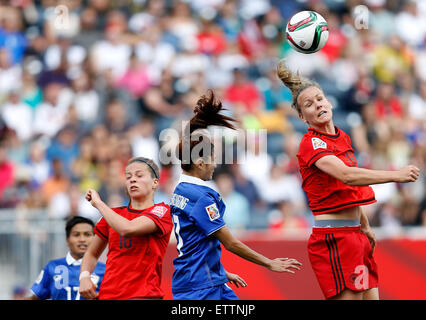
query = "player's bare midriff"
x=344 y=214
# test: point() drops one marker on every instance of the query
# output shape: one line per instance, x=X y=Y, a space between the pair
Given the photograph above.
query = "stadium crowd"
x=85 y=85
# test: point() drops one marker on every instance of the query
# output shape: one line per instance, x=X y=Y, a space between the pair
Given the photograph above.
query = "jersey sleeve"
x=101 y=229
x=161 y=216
x=312 y=149
x=207 y=215
x=41 y=287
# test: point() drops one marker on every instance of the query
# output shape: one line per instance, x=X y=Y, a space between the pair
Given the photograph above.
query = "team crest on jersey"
x=213 y=212
x=159 y=211
x=317 y=143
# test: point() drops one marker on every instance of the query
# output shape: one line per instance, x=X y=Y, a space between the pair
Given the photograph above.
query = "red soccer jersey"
x=325 y=193
x=134 y=265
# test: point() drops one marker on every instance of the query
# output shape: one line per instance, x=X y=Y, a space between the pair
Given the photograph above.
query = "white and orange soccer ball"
x=307 y=32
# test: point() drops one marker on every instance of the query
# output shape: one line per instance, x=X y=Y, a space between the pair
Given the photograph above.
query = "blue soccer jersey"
x=59 y=280
x=197 y=212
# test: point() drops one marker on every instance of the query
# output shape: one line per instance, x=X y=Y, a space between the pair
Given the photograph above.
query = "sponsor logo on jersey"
x=213 y=212
x=159 y=211
x=317 y=143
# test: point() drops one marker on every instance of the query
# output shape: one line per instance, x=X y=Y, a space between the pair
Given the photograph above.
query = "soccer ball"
x=307 y=32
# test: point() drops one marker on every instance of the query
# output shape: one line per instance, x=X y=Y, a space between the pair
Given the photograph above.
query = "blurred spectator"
x=135 y=79
x=7 y=171
x=112 y=187
x=119 y=52
x=71 y=202
x=37 y=164
x=116 y=119
x=143 y=140
x=386 y=103
x=57 y=182
x=51 y=115
x=278 y=186
x=285 y=219
x=410 y=24
x=181 y=24
x=20 y=292
x=10 y=74
x=390 y=59
x=155 y=52
x=17 y=116
x=237 y=215
x=64 y=147
x=336 y=39
x=381 y=20
x=141 y=21
x=243 y=94
x=211 y=39
x=85 y=98
x=12 y=37
x=84 y=168
x=255 y=162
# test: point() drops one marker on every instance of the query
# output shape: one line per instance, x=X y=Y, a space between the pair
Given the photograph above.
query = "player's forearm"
x=240 y=249
x=115 y=221
x=355 y=176
x=89 y=262
x=91 y=256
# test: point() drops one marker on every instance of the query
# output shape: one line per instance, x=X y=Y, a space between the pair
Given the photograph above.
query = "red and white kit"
x=134 y=264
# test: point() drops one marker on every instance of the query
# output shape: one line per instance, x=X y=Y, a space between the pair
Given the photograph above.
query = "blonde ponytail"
x=294 y=82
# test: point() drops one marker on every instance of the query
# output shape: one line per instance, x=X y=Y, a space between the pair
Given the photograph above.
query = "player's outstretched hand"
x=284 y=265
x=236 y=279
x=93 y=197
x=409 y=173
x=87 y=288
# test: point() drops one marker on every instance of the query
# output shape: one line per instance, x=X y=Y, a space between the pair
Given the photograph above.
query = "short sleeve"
x=101 y=229
x=41 y=287
x=313 y=148
x=208 y=215
x=161 y=216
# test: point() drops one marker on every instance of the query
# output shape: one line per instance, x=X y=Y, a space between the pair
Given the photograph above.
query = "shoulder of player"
x=160 y=210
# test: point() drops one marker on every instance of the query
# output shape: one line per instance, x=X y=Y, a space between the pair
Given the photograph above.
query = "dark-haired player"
x=198 y=211
x=59 y=280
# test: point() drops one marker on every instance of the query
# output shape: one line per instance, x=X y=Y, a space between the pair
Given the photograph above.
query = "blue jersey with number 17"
x=59 y=280
x=197 y=212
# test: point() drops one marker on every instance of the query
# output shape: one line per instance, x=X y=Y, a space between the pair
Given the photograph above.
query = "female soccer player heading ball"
x=197 y=212
x=342 y=243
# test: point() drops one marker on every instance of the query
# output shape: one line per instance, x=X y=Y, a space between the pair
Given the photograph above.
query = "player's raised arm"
x=355 y=176
x=126 y=228
x=235 y=246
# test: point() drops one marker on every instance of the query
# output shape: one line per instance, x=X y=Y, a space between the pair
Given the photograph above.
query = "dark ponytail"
x=207 y=113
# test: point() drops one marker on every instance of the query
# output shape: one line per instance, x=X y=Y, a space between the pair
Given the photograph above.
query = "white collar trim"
x=197 y=181
x=71 y=261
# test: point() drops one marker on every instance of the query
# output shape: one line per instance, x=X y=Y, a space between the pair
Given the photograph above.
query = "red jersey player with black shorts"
x=137 y=236
x=342 y=242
